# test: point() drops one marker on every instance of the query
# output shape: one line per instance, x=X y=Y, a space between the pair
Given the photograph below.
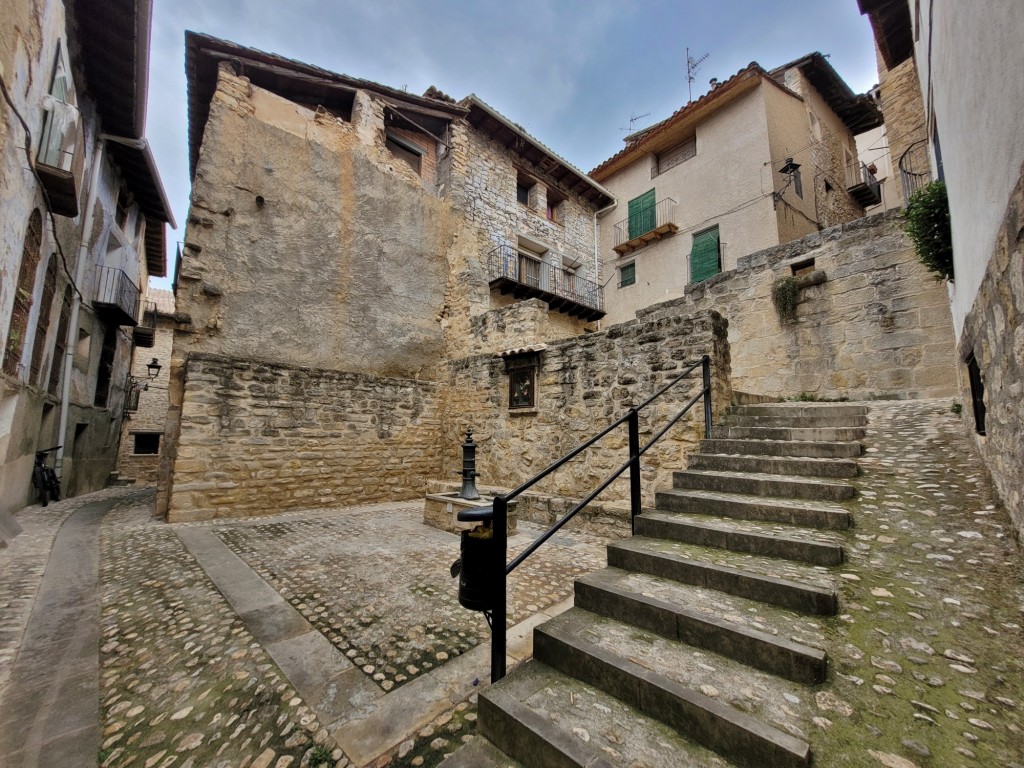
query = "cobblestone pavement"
x=926 y=659
x=926 y=662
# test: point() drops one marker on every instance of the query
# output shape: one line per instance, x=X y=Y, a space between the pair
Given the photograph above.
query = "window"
x=673 y=157
x=60 y=348
x=146 y=443
x=555 y=201
x=642 y=214
x=523 y=186
x=627 y=274
x=405 y=150
x=977 y=393
x=43 y=322
x=58 y=134
x=798 y=185
x=124 y=204
x=23 y=293
x=105 y=373
x=522 y=386
x=705 y=258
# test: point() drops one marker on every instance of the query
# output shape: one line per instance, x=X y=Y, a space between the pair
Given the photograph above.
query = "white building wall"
x=971 y=61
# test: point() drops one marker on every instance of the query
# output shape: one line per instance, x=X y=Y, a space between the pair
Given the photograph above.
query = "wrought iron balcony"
x=117 y=297
x=526 y=277
x=862 y=185
x=646 y=225
x=915 y=168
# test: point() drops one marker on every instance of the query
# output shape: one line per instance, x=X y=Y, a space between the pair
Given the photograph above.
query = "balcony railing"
x=525 y=276
x=117 y=297
x=641 y=227
x=144 y=334
x=862 y=185
x=915 y=168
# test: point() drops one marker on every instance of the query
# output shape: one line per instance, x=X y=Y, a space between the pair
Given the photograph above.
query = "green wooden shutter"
x=642 y=214
x=704 y=260
x=627 y=274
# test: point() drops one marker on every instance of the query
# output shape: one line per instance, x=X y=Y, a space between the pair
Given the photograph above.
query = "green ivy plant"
x=785 y=296
x=928 y=226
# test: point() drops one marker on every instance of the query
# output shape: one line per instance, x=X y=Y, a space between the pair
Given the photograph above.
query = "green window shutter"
x=627 y=274
x=704 y=258
x=642 y=214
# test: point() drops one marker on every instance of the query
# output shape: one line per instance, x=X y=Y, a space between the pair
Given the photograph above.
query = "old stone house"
x=349 y=229
x=967 y=65
x=83 y=229
x=763 y=158
x=145 y=416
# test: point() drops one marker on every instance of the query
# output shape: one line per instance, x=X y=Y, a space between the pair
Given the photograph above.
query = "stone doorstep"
x=774 y=465
x=792 y=448
x=805 y=513
x=762 y=484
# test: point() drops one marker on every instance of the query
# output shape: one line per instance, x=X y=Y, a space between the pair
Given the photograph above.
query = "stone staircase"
x=702 y=643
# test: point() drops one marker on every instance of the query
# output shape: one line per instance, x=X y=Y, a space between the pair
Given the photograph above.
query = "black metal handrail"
x=506 y=261
x=500 y=506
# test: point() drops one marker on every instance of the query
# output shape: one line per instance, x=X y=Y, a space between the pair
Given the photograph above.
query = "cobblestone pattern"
x=878 y=326
x=257 y=436
x=994 y=331
x=582 y=385
x=183 y=683
x=383 y=593
x=926 y=668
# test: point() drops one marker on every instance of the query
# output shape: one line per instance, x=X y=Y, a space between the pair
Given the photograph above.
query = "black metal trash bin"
x=478 y=562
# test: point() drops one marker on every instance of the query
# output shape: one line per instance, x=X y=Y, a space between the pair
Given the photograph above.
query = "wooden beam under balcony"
x=666 y=229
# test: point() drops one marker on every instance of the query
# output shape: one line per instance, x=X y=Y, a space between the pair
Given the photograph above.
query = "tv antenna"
x=632 y=121
x=692 y=65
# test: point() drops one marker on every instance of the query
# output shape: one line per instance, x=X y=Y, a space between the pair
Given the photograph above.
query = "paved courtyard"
x=335 y=637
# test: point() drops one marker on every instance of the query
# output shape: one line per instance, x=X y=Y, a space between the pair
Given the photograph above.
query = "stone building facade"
x=138 y=458
x=424 y=215
x=82 y=230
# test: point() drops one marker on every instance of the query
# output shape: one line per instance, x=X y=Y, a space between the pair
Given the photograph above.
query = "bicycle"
x=44 y=479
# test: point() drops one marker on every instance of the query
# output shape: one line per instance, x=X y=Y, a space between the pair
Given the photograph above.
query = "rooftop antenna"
x=633 y=117
x=692 y=65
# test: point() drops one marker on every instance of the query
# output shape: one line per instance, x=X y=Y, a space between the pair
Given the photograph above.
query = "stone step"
x=722 y=704
x=774 y=465
x=805 y=448
x=799 y=409
x=805 y=588
x=479 y=753
x=743 y=507
x=794 y=420
x=544 y=718
x=760 y=484
x=815 y=434
x=805 y=545
x=706 y=619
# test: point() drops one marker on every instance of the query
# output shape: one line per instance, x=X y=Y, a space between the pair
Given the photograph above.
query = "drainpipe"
x=597 y=244
x=76 y=303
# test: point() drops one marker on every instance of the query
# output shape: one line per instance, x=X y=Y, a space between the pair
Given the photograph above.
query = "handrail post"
x=634 y=467
x=499 y=614
x=706 y=372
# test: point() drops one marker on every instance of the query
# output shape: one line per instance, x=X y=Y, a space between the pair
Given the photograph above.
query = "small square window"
x=554 y=211
x=405 y=150
x=627 y=274
x=523 y=186
x=522 y=388
x=147 y=443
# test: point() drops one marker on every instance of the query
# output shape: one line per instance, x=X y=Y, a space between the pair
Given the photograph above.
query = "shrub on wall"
x=785 y=296
x=928 y=226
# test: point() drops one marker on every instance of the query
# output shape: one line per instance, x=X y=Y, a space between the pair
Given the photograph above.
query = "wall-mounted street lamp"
x=153 y=369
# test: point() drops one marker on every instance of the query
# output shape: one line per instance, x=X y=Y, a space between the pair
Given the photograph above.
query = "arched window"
x=43 y=323
x=60 y=348
x=23 y=294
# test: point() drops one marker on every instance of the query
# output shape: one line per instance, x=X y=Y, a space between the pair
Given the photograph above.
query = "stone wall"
x=994 y=332
x=878 y=326
x=584 y=384
x=258 y=438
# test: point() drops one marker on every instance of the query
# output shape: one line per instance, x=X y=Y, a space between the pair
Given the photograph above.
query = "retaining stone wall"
x=879 y=326
x=994 y=331
x=258 y=438
x=584 y=384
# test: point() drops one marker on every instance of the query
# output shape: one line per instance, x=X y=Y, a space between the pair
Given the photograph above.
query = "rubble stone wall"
x=584 y=384
x=259 y=438
x=878 y=326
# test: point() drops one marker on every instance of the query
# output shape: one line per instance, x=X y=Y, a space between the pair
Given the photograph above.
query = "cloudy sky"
x=572 y=72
